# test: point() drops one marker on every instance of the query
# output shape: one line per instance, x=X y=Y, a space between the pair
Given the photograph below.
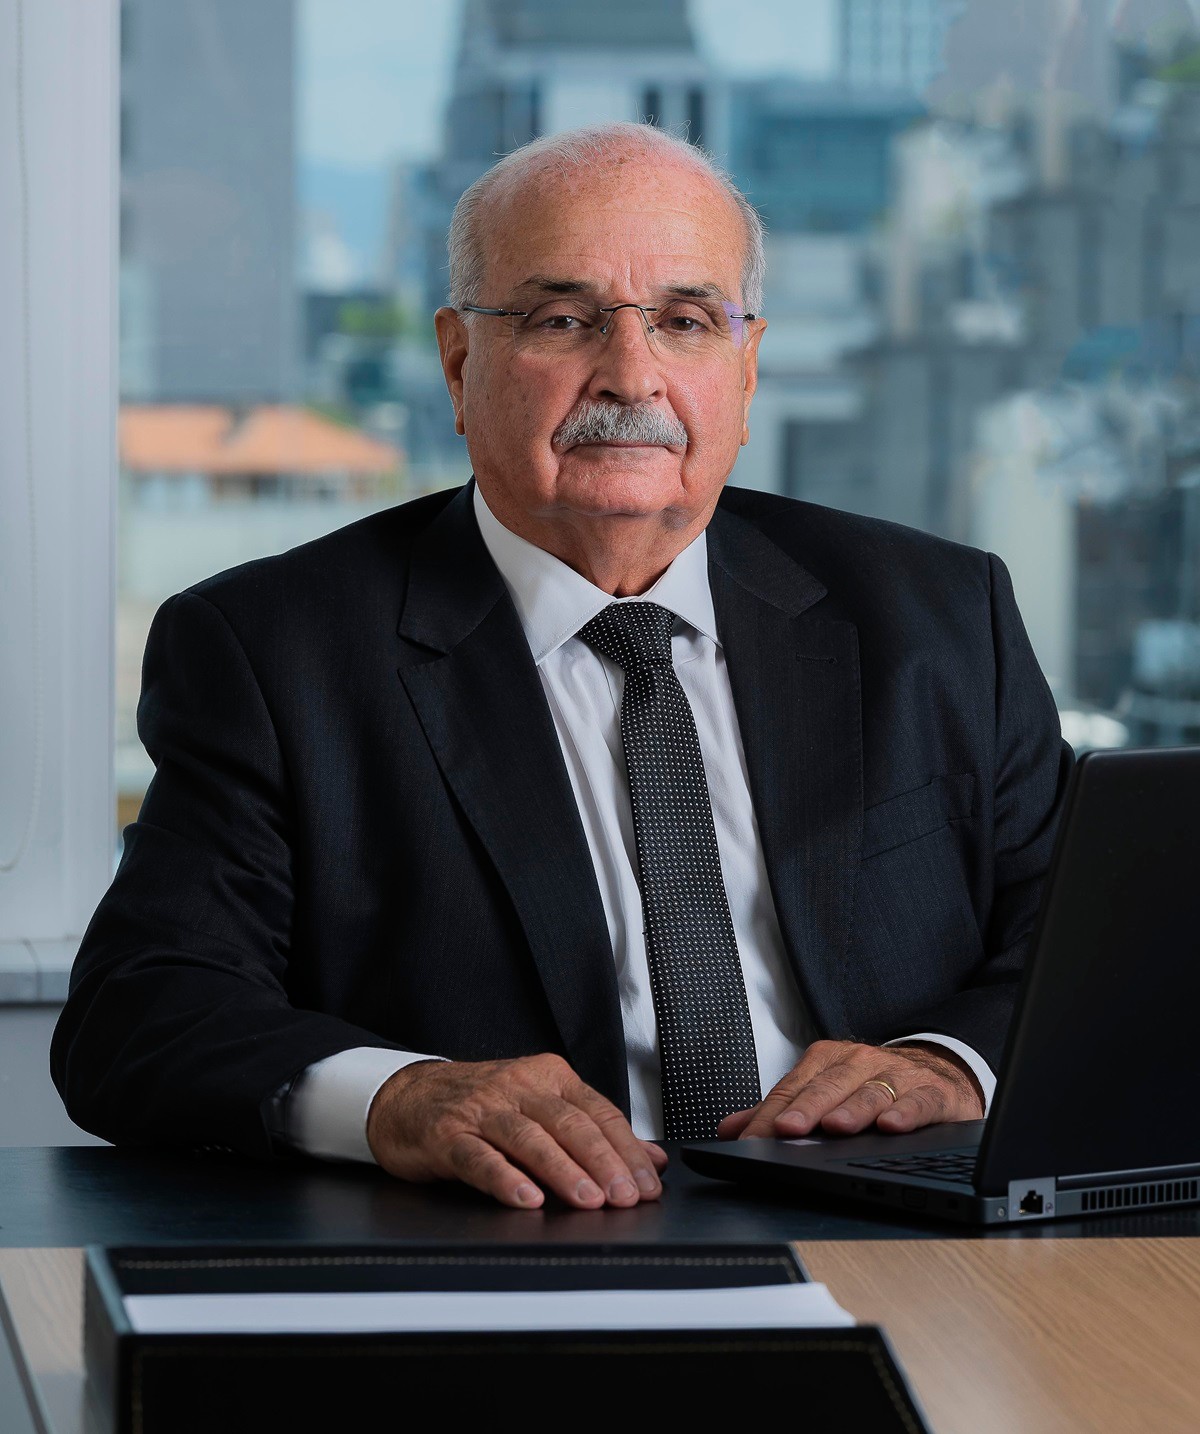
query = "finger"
x=923 y=1105
x=861 y=1108
x=733 y=1124
x=799 y=1112
x=619 y=1135
x=760 y=1121
x=821 y=1059
x=477 y=1163
x=658 y=1156
x=529 y=1145
x=598 y=1151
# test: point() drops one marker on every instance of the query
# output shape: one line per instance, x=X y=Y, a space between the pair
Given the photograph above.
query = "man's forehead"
x=591 y=280
x=671 y=225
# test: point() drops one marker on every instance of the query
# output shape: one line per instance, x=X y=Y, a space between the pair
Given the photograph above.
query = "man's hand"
x=829 y=1088
x=513 y=1129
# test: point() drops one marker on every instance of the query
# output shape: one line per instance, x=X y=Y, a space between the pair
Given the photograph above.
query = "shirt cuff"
x=979 y=1067
x=328 y=1107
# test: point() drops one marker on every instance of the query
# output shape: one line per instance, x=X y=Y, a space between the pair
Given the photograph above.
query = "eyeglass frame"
x=643 y=309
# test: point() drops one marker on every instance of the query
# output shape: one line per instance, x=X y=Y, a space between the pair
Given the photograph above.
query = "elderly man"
x=502 y=833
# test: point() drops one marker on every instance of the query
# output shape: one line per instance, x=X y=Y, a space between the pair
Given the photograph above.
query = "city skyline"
x=981 y=302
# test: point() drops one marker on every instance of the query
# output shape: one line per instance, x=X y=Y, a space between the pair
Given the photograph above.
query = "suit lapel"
x=795 y=681
x=470 y=676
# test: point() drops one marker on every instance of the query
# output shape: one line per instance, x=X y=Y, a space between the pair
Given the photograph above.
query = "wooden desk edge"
x=36 y=1416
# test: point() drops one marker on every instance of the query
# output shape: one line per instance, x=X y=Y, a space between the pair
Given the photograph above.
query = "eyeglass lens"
x=680 y=328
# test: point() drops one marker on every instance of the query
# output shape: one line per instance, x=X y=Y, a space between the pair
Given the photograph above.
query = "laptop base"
x=841 y=1166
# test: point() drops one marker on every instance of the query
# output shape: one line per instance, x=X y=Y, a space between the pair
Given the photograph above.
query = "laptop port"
x=1031 y=1199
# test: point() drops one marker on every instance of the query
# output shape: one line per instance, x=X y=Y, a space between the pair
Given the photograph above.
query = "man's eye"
x=557 y=323
x=685 y=321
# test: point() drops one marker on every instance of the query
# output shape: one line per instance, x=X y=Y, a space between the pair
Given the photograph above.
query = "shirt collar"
x=553 y=601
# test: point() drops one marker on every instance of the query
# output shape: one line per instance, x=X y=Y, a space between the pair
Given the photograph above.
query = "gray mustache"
x=593 y=422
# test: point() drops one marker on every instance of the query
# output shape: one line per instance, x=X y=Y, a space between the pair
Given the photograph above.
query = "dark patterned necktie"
x=706 y=1042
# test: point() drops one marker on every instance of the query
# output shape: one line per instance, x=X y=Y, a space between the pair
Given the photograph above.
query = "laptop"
x=1097 y=1106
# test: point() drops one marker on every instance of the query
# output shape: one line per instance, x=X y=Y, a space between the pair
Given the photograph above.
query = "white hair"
x=582 y=149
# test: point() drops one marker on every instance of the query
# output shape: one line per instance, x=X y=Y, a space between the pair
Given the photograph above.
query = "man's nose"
x=627 y=366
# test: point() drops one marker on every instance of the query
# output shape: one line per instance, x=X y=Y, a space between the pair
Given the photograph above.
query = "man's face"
x=632 y=231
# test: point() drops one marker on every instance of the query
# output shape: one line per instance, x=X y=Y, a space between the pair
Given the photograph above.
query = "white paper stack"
x=793 y=1306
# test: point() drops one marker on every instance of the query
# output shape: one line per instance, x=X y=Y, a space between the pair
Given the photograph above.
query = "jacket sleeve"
x=1031 y=768
x=178 y=1028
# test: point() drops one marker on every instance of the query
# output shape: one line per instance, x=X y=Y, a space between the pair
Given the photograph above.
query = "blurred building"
x=204 y=487
x=1098 y=254
x=413 y=214
x=816 y=157
x=1027 y=378
x=207 y=200
x=527 y=68
x=531 y=67
x=1161 y=705
x=1103 y=255
x=230 y=454
x=893 y=44
x=375 y=362
x=1083 y=52
x=922 y=344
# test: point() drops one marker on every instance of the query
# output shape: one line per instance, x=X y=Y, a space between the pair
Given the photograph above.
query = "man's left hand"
x=833 y=1087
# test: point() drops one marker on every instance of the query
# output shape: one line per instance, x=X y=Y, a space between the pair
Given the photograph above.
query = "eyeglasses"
x=680 y=329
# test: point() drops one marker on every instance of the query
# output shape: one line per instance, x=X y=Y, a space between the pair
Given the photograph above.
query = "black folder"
x=220 y=1383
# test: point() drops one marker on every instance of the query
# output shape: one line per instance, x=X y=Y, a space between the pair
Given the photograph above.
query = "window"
x=944 y=258
x=983 y=296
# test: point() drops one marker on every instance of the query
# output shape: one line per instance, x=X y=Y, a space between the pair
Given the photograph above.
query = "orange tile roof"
x=175 y=439
x=181 y=438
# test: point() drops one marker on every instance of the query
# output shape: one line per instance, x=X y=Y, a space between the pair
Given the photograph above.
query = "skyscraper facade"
x=894 y=44
x=208 y=200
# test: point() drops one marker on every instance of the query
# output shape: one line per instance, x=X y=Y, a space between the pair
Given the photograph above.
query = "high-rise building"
x=207 y=200
x=532 y=67
x=998 y=56
x=813 y=156
x=896 y=44
x=528 y=68
x=816 y=159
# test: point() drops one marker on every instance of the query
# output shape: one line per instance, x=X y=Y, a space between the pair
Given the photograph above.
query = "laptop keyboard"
x=955 y=1165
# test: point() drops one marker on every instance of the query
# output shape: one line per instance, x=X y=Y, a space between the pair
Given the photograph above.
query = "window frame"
x=58 y=375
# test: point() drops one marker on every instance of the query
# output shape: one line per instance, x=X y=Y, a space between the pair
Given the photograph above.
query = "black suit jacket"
x=361 y=830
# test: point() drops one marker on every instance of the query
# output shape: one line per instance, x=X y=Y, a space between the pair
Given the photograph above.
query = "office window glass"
x=983 y=289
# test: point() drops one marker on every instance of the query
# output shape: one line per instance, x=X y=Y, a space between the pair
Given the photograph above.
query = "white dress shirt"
x=328 y=1107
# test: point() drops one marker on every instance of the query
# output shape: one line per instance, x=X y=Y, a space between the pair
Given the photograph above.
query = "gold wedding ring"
x=884 y=1084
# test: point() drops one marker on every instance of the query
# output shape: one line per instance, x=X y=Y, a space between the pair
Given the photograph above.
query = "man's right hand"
x=513 y=1129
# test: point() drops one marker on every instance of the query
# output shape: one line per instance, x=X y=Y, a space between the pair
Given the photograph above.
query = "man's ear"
x=453 y=339
x=750 y=374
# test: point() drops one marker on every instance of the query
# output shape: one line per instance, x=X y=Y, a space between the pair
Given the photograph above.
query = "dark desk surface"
x=1003 y=1331
x=81 y=1196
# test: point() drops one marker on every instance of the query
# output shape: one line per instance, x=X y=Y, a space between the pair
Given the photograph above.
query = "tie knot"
x=633 y=634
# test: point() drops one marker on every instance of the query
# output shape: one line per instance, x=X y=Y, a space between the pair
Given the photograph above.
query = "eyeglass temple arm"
x=495 y=313
x=649 y=309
